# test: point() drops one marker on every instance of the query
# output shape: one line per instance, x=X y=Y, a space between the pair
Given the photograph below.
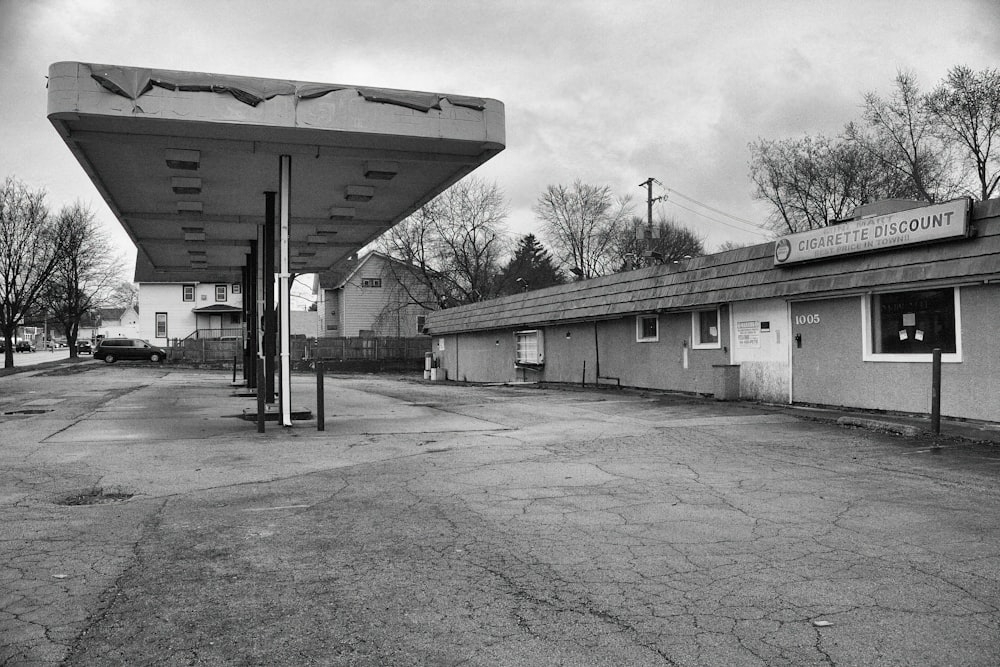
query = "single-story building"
x=846 y=315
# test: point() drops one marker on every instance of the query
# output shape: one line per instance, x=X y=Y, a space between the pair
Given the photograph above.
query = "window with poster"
x=908 y=326
x=705 y=329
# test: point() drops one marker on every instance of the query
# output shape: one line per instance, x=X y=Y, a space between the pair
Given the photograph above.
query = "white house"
x=111 y=323
x=169 y=311
x=371 y=296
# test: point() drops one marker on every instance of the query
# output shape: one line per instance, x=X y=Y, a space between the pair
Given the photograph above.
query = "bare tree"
x=28 y=254
x=813 y=181
x=453 y=245
x=124 y=295
x=670 y=242
x=579 y=223
x=966 y=107
x=901 y=133
x=85 y=273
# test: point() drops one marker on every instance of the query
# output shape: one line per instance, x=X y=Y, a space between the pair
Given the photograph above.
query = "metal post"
x=267 y=285
x=320 y=413
x=285 y=201
x=236 y=359
x=261 y=405
x=936 y=390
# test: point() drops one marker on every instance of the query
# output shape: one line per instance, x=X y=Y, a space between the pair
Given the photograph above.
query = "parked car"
x=84 y=347
x=113 y=349
x=24 y=346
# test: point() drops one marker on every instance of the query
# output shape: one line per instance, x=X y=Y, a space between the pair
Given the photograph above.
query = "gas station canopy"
x=183 y=160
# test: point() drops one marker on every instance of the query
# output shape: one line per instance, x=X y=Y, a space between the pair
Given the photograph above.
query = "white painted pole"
x=285 y=199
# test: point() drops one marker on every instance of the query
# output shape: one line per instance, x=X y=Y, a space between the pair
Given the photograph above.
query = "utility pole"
x=650 y=233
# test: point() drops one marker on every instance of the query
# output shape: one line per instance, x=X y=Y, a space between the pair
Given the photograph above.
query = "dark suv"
x=113 y=349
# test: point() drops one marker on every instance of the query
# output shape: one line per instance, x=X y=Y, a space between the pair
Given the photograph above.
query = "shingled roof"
x=737 y=275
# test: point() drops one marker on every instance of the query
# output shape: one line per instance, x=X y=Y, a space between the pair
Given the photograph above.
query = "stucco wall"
x=489 y=356
x=829 y=369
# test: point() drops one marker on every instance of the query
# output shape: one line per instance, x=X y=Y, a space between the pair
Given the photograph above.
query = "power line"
x=728 y=215
x=721 y=222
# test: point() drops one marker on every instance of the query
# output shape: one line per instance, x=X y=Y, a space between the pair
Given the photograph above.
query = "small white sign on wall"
x=748 y=334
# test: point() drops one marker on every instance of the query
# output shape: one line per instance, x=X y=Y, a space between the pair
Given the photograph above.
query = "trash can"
x=726 y=382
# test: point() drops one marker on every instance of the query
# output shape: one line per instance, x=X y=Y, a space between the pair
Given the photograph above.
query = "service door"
x=826 y=350
x=215 y=324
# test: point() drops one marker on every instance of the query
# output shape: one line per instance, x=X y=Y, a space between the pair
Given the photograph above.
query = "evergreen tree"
x=531 y=267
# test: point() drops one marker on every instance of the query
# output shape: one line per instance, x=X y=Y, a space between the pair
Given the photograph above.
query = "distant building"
x=371 y=296
x=170 y=311
x=110 y=323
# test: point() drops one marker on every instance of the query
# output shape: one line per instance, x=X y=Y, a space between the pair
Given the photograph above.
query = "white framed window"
x=421 y=323
x=371 y=282
x=647 y=328
x=187 y=292
x=220 y=292
x=161 y=325
x=705 y=329
x=906 y=326
x=237 y=288
x=440 y=344
x=529 y=348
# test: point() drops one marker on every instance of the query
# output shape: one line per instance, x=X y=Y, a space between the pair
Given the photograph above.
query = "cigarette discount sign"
x=918 y=225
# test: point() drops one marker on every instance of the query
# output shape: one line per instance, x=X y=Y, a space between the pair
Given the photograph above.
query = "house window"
x=237 y=288
x=187 y=292
x=528 y=348
x=647 y=328
x=220 y=292
x=907 y=326
x=161 y=325
x=421 y=323
x=705 y=329
x=371 y=282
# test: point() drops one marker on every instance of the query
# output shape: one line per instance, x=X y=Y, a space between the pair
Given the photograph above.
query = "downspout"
x=597 y=357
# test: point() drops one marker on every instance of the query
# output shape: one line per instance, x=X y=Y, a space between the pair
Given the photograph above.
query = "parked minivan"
x=113 y=349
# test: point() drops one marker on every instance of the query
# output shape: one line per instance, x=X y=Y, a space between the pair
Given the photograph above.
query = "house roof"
x=217 y=308
x=737 y=275
x=111 y=313
x=337 y=278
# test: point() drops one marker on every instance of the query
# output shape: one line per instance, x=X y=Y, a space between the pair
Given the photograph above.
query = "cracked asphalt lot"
x=438 y=524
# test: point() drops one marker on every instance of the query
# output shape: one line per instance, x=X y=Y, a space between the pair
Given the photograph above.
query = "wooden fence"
x=205 y=351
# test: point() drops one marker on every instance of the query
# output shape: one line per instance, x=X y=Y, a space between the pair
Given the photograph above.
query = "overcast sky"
x=610 y=92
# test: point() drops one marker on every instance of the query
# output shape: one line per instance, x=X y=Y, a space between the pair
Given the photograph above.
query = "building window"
x=237 y=288
x=187 y=292
x=528 y=348
x=421 y=323
x=161 y=325
x=371 y=282
x=907 y=326
x=220 y=292
x=705 y=329
x=647 y=328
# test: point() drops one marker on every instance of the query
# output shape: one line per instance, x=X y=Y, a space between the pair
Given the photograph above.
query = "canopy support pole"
x=267 y=287
x=285 y=201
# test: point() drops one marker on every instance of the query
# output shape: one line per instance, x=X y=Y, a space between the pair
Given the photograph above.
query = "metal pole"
x=260 y=395
x=267 y=286
x=320 y=412
x=285 y=201
x=936 y=390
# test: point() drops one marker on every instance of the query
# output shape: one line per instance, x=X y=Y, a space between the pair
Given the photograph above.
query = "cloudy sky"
x=609 y=92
